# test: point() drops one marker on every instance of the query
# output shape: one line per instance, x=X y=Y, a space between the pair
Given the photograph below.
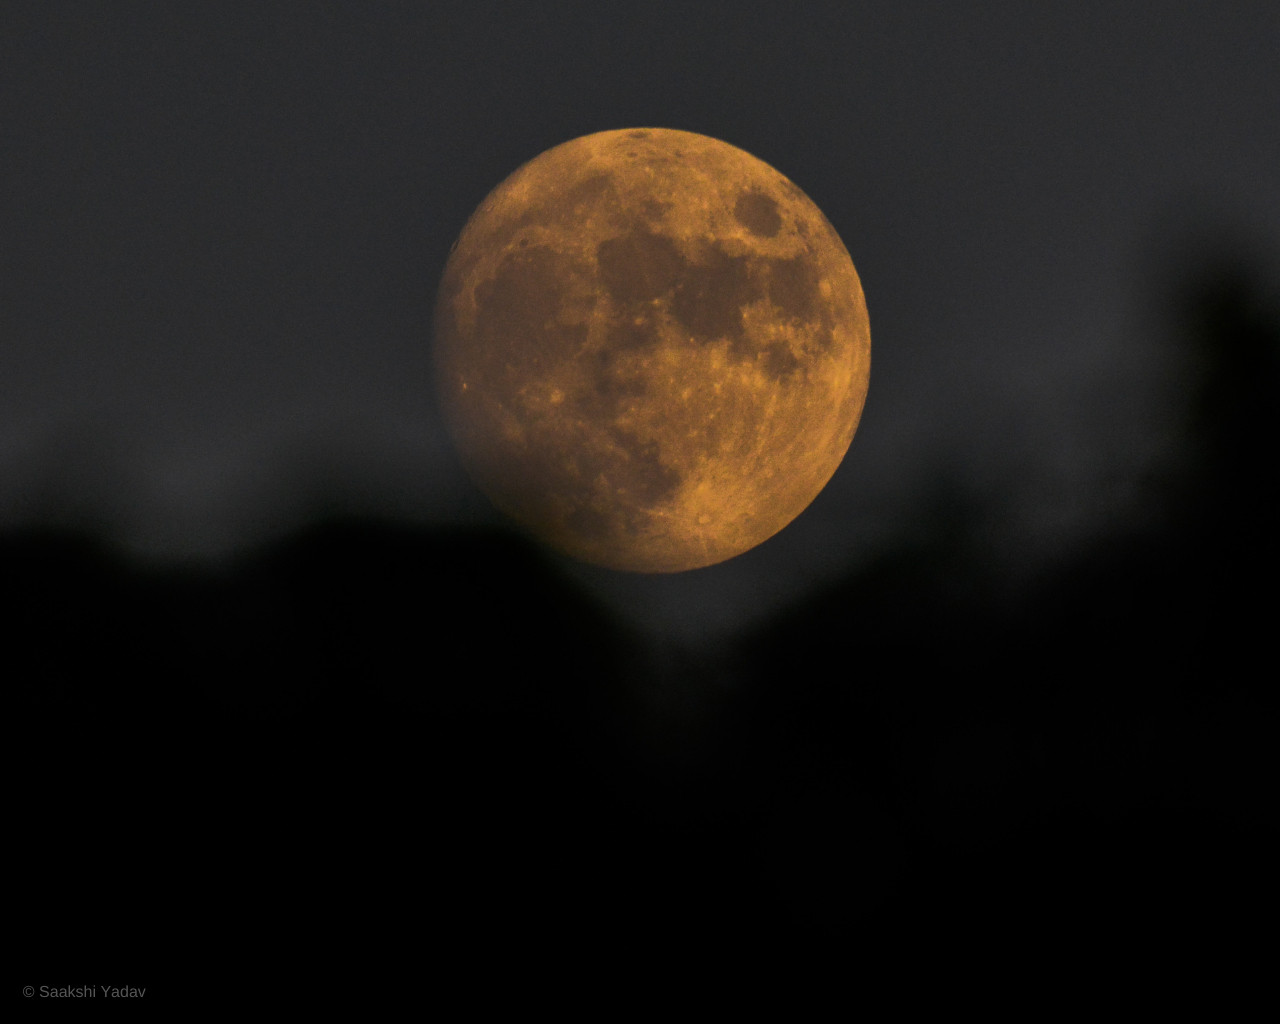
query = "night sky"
x=297 y=696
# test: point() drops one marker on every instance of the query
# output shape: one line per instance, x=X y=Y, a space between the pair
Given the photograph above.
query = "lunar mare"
x=652 y=349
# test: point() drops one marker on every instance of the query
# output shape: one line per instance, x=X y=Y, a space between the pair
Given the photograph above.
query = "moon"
x=651 y=349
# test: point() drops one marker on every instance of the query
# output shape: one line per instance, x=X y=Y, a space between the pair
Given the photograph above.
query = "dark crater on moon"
x=611 y=386
x=756 y=212
x=794 y=288
x=525 y=301
x=633 y=334
x=637 y=483
x=592 y=190
x=645 y=478
x=711 y=295
x=639 y=266
x=778 y=361
x=706 y=297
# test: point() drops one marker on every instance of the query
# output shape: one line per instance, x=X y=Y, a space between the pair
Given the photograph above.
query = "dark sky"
x=223 y=226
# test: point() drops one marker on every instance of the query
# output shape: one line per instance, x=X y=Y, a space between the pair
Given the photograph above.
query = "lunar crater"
x=524 y=312
x=779 y=362
x=710 y=297
x=758 y=213
x=639 y=266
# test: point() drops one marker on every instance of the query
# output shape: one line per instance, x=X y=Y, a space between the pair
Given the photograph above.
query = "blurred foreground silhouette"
x=369 y=742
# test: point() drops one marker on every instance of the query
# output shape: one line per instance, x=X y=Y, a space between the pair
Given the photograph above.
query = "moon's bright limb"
x=652 y=349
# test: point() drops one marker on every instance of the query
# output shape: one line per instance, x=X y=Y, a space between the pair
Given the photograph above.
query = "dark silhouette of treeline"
x=374 y=752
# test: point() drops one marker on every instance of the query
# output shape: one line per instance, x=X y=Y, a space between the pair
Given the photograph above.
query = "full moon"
x=652 y=349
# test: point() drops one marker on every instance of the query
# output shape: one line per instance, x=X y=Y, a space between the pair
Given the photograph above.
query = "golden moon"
x=652 y=349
